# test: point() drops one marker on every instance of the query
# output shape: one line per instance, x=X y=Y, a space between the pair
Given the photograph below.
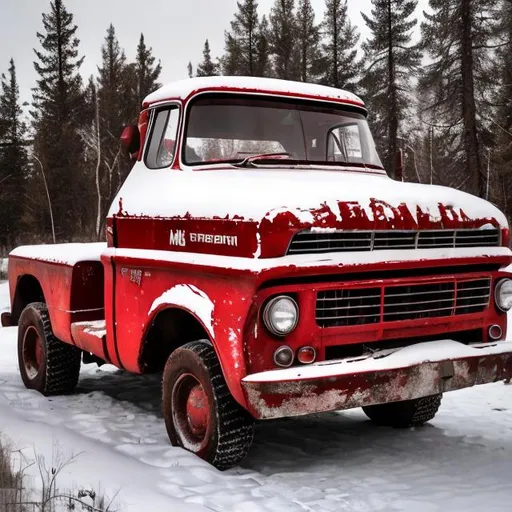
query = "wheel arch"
x=169 y=328
x=28 y=290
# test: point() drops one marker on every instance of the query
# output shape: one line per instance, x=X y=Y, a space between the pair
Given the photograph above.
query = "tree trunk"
x=335 y=52
x=98 y=166
x=393 y=110
x=471 y=144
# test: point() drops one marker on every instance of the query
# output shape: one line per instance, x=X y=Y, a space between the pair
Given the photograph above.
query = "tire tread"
x=410 y=413
x=235 y=426
x=63 y=361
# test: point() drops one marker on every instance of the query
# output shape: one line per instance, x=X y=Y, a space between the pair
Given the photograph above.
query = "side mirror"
x=130 y=141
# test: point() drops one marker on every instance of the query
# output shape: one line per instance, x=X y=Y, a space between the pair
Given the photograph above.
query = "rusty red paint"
x=90 y=291
x=272 y=400
x=140 y=232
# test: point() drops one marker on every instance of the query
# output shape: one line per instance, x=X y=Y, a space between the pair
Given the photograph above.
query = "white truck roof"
x=184 y=89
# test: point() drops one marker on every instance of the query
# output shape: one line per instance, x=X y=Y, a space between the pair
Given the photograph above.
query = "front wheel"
x=200 y=413
x=47 y=364
x=410 y=413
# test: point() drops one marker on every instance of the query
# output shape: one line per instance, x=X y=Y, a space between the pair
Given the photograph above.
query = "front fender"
x=222 y=311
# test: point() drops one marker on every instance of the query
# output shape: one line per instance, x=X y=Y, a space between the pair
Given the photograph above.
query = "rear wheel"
x=200 y=413
x=410 y=413
x=47 y=364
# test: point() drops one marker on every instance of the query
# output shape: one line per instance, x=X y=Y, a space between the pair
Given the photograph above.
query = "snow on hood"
x=322 y=198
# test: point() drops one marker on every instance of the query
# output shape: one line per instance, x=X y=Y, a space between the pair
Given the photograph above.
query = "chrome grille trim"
x=310 y=242
x=391 y=303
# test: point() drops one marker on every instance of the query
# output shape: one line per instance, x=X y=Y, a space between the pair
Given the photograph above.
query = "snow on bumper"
x=388 y=376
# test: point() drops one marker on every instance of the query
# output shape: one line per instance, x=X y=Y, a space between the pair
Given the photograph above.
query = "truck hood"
x=277 y=202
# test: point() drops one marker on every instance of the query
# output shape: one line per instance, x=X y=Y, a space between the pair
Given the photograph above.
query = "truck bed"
x=68 y=277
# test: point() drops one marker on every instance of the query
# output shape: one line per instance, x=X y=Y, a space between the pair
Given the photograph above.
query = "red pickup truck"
x=260 y=257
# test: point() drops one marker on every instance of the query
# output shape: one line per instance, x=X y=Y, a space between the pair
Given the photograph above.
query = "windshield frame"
x=295 y=103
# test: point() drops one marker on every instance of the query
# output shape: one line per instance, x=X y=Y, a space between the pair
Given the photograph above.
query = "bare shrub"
x=11 y=481
x=16 y=497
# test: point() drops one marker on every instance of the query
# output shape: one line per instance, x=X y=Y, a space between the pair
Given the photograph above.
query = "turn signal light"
x=284 y=356
x=306 y=355
x=495 y=332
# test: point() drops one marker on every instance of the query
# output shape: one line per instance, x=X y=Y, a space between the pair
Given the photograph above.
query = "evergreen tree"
x=503 y=126
x=339 y=66
x=283 y=30
x=391 y=63
x=308 y=38
x=263 y=64
x=110 y=82
x=13 y=160
x=109 y=114
x=58 y=113
x=458 y=35
x=207 y=67
x=190 y=70
x=146 y=71
x=242 y=42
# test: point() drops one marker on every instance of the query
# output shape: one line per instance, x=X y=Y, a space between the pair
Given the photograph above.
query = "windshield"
x=223 y=128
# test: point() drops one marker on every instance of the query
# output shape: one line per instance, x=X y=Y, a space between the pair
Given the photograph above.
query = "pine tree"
x=13 y=160
x=146 y=71
x=190 y=70
x=308 y=38
x=503 y=124
x=458 y=35
x=110 y=83
x=283 y=30
x=391 y=61
x=207 y=67
x=242 y=42
x=339 y=65
x=263 y=64
x=58 y=117
x=108 y=114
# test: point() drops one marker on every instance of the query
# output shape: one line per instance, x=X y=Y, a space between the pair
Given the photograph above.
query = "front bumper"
x=387 y=376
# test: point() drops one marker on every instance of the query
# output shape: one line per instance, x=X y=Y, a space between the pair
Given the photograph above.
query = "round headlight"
x=503 y=295
x=281 y=315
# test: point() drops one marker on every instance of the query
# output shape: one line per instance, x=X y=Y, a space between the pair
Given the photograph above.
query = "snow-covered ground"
x=462 y=461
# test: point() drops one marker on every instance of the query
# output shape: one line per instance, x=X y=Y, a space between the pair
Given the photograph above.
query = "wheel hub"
x=32 y=352
x=197 y=410
x=191 y=412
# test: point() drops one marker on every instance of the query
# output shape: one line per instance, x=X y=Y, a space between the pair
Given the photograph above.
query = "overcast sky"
x=176 y=29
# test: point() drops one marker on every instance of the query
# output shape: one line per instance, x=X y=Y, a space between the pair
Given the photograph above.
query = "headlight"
x=503 y=295
x=281 y=315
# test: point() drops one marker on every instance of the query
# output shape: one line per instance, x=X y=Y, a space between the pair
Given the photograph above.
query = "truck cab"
x=259 y=256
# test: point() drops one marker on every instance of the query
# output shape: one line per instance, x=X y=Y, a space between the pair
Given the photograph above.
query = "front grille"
x=349 y=307
x=308 y=242
x=355 y=350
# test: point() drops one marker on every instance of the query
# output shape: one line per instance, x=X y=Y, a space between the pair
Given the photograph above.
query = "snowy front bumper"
x=387 y=376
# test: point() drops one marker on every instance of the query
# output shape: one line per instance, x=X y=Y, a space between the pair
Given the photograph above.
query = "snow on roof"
x=185 y=88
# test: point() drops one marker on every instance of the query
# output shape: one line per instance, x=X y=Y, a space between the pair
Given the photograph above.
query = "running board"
x=90 y=337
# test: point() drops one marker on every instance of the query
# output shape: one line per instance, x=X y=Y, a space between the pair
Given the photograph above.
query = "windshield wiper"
x=250 y=161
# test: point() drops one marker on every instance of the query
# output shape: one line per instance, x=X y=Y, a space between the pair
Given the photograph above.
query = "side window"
x=345 y=144
x=162 y=140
